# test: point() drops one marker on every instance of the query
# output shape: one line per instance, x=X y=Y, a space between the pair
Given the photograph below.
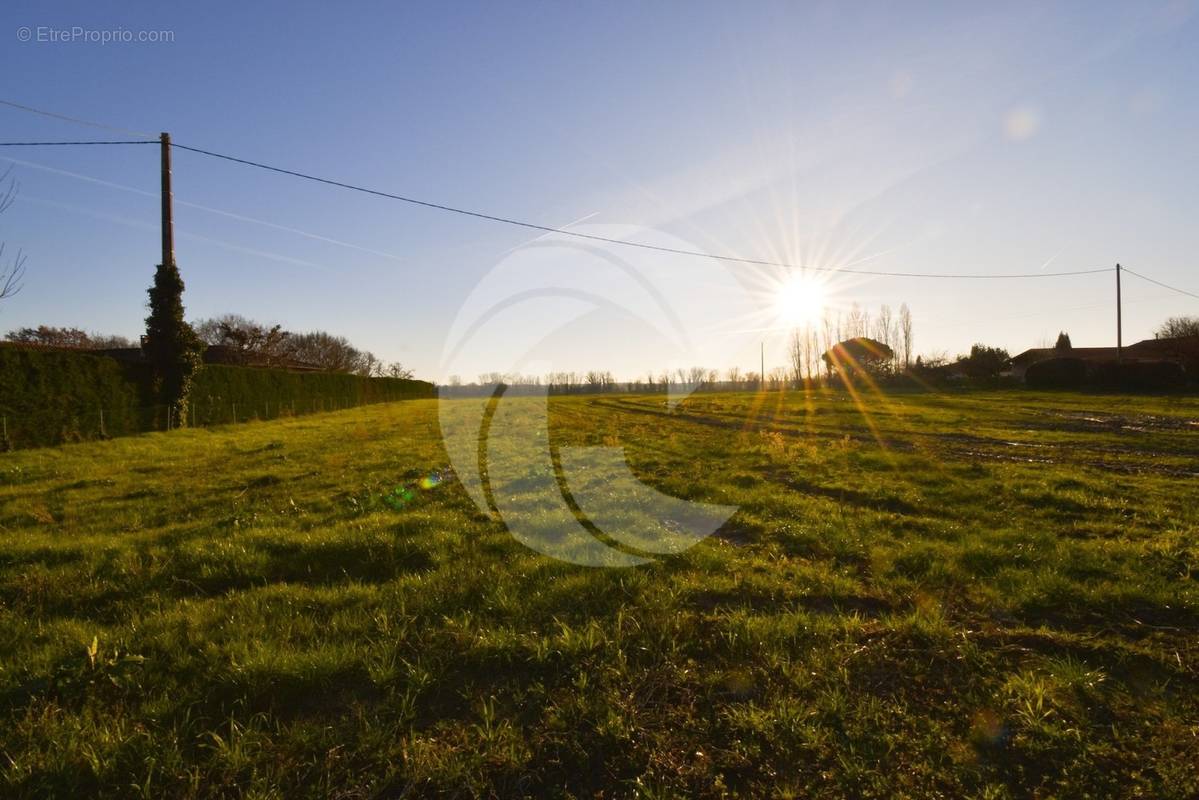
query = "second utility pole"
x=168 y=220
x=1119 y=320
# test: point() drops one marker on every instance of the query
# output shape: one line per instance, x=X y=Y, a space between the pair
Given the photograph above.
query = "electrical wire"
x=547 y=228
x=622 y=242
x=1159 y=283
x=75 y=120
x=60 y=144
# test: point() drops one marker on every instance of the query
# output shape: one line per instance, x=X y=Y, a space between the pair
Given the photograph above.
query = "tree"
x=1176 y=327
x=905 y=333
x=984 y=362
x=830 y=332
x=858 y=355
x=325 y=351
x=252 y=342
x=803 y=348
x=49 y=336
x=171 y=345
x=857 y=323
x=372 y=367
x=397 y=370
x=798 y=351
x=67 y=338
x=12 y=272
x=884 y=326
x=1063 y=341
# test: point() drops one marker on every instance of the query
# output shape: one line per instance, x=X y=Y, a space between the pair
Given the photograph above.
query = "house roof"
x=1174 y=346
x=1146 y=348
x=1086 y=353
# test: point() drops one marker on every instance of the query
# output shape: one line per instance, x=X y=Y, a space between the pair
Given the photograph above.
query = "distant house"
x=1020 y=363
x=1182 y=350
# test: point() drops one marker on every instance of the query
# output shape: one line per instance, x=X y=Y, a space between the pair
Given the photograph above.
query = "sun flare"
x=800 y=300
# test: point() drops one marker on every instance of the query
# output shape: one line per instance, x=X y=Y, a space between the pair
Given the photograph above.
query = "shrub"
x=1057 y=373
x=1138 y=375
x=985 y=362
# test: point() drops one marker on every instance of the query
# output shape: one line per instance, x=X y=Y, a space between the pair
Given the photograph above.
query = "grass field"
x=968 y=595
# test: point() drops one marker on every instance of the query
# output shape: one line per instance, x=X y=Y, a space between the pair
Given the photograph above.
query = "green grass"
x=968 y=595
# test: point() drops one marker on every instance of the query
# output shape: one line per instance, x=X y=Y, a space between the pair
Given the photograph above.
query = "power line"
x=623 y=242
x=544 y=228
x=75 y=120
x=1159 y=283
x=60 y=144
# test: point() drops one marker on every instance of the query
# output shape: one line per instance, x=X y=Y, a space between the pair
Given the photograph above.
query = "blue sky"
x=930 y=138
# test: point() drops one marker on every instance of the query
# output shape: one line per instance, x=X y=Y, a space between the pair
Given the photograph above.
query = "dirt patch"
x=1136 y=423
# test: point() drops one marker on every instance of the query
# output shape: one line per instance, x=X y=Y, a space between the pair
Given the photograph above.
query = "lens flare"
x=800 y=300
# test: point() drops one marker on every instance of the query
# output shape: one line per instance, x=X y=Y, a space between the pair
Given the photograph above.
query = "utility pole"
x=1119 y=320
x=762 y=374
x=168 y=220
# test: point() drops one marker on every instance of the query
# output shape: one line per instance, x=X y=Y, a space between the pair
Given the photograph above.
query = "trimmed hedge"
x=1138 y=375
x=219 y=391
x=1057 y=373
x=1075 y=373
x=54 y=396
x=49 y=397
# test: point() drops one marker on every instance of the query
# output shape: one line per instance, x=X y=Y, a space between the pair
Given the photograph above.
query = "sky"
x=934 y=138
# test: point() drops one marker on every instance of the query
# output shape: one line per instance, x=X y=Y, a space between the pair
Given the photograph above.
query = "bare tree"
x=812 y=352
x=905 y=334
x=369 y=365
x=857 y=323
x=253 y=342
x=397 y=370
x=326 y=351
x=561 y=382
x=830 y=335
x=797 y=351
x=11 y=272
x=1178 y=326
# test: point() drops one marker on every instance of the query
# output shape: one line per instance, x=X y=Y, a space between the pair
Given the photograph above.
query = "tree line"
x=809 y=343
x=247 y=342
x=269 y=345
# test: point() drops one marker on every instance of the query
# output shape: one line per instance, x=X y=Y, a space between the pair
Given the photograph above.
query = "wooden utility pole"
x=168 y=218
x=1119 y=320
x=762 y=374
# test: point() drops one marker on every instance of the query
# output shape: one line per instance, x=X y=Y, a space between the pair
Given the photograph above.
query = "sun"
x=800 y=300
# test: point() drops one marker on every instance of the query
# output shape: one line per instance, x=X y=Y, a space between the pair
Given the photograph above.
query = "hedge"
x=1075 y=373
x=219 y=392
x=1057 y=373
x=1138 y=375
x=50 y=397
